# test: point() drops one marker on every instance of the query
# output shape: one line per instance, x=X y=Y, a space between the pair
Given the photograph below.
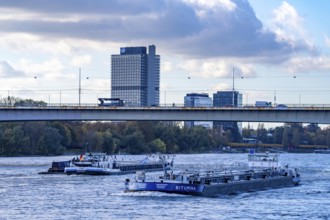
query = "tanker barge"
x=264 y=173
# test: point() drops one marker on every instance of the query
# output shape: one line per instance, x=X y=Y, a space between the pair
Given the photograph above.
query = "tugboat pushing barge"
x=102 y=164
x=96 y=163
x=264 y=172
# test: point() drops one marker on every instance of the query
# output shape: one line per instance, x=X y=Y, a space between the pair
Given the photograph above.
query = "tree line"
x=137 y=137
x=291 y=135
x=56 y=138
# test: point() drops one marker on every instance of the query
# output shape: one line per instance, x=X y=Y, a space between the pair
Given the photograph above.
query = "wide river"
x=25 y=194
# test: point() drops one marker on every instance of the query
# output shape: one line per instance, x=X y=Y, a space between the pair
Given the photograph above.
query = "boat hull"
x=88 y=171
x=57 y=167
x=104 y=171
x=168 y=187
x=249 y=186
x=213 y=190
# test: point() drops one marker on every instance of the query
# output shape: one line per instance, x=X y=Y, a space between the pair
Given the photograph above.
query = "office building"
x=198 y=100
x=227 y=99
x=135 y=76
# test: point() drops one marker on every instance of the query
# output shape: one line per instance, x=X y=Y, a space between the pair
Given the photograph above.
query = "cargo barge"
x=264 y=173
x=102 y=164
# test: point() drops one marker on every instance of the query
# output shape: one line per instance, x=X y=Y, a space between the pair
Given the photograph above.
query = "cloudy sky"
x=279 y=51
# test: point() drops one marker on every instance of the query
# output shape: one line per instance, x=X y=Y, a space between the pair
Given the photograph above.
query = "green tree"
x=320 y=138
x=20 y=141
x=313 y=128
x=50 y=142
x=29 y=102
x=296 y=132
x=262 y=133
x=133 y=140
x=278 y=135
x=2 y=143
x=9 y=142
x=147 y=128
x=328 y=136
x=109 y=144
x=247 y=132
x=64 y=132
x=169 y=134
x=236 y=135
x=158 y=145
x=219 y=138
x=33 y=130
x=287 y=136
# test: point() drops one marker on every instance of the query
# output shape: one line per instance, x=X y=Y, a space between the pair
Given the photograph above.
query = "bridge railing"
x=167 y=105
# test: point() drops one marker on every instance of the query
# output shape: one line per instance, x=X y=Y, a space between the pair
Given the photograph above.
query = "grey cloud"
x=237 y=34
x=173 y=19
x=7 y=71
x=120 y=7
x=170 y=24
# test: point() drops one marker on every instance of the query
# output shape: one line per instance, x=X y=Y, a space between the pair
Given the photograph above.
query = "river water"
x=25 y=194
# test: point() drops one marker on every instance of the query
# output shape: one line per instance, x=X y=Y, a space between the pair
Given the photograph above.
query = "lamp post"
x=233 y=100
x=79 y=90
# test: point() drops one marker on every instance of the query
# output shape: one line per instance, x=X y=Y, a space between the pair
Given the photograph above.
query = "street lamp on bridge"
x=79 y=90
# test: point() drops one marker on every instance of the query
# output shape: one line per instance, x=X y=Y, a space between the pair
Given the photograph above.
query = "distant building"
x=250 y=140
x=227 y=99
x=135 y=76
x=198 y=100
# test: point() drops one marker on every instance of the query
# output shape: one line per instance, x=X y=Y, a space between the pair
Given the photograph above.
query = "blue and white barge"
x=264 y=173
x=102 y=164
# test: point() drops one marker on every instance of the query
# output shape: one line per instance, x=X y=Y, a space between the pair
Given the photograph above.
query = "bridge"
x=320 y=115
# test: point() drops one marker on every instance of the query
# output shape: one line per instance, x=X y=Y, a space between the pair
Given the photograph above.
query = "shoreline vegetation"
x=144 y=137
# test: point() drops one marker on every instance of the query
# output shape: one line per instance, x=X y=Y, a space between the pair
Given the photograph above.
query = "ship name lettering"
x=186 y=188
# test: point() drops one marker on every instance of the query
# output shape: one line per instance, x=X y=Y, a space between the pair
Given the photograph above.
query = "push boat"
x=57 y=167
x=264 y=172
x=102 y=164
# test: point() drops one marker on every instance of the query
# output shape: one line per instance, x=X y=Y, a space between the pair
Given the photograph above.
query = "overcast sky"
x=278 y=50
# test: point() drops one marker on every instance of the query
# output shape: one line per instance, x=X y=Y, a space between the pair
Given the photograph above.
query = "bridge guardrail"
x=173 y=105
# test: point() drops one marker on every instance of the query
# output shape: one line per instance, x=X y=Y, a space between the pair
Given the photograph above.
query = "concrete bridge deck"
x=320 y=115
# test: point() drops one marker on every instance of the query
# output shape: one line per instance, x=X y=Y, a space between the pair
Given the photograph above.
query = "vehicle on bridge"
x=263 y=104
x=111 y=102
x=281 y=106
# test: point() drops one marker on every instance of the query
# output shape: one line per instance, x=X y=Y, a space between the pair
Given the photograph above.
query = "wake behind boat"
x=265 y=172
x=102 y=164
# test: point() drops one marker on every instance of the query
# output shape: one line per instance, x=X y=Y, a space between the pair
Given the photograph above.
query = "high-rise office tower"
x=135 y=76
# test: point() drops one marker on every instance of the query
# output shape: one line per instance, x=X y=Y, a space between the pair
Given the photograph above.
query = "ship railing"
x=128 y=162
x=151 y=177
x=212 y=171
x=218 y=167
